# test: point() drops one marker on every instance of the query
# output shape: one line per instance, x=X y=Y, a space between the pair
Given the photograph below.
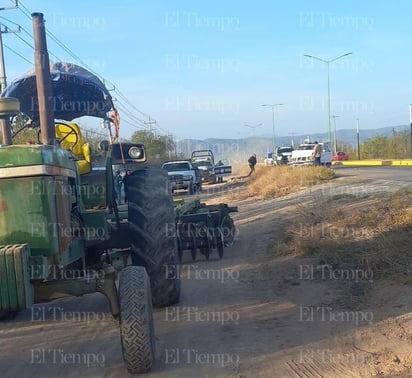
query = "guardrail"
x=370 y=163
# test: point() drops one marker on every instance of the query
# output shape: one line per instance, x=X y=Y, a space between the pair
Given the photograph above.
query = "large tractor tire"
x=153 y=233
x=136 y=319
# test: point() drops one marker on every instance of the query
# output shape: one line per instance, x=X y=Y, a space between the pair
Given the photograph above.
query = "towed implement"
x=60 y=225
x=204 y=228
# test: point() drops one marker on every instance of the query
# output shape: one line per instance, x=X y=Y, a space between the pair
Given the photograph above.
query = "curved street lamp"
x=253 y=128
x=328 y=62
x=273 y=121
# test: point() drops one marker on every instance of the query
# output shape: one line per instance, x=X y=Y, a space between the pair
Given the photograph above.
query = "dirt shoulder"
x=250 y=314
x=310 y=319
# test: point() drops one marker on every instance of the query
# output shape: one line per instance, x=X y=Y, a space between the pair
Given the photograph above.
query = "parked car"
x=340 y=155
x=183 y=175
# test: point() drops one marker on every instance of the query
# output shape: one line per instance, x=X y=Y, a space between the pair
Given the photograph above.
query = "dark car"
x=339 y=156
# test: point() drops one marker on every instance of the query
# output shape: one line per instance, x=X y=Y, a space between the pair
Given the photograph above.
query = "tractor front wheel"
x=136 y=319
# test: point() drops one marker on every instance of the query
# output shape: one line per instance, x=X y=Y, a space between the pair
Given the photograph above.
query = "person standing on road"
x=317 y=153
x=252 y=162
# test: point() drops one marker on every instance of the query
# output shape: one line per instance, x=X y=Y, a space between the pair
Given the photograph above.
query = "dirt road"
x=247 y=315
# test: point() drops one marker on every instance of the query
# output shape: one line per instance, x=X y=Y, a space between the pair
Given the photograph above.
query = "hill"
x=238 y=150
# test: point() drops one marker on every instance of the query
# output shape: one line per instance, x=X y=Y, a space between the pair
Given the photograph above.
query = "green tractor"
x=60 y=226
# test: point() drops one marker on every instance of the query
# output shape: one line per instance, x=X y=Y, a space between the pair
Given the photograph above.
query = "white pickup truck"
x=302 y=156
x=183 y=175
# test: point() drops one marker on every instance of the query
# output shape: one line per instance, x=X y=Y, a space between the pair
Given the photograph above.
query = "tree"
x=380 y=147
x=21 y=131
x=159 y=148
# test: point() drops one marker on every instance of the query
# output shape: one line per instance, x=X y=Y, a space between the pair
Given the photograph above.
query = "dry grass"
x=279 y=181
x=240 y=170
x=367 y=235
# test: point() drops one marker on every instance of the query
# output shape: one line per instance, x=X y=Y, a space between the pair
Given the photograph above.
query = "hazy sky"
x=203 y=68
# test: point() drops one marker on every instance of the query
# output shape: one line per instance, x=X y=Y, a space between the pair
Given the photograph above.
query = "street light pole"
x=329 y=104
x=357 y=133
x=253 y=128
x=328 y=62
x=273 y=121
x=335 y=143
x=410 y=123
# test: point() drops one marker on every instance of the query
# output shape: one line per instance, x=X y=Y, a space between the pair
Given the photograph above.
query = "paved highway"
x=402 y=174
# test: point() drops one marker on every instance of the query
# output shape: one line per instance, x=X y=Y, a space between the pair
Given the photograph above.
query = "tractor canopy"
x=76 y=93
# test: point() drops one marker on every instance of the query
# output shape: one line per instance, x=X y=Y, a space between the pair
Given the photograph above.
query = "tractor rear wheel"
x=136 y=319
x=228 y=229
x=153 y=233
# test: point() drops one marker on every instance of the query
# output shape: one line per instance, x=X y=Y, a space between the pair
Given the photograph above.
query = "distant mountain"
x=239 y=150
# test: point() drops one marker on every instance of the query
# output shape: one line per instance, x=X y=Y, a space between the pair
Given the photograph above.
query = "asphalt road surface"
x=398 y=174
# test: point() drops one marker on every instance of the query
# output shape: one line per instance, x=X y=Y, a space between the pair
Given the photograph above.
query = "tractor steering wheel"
x=72 y=131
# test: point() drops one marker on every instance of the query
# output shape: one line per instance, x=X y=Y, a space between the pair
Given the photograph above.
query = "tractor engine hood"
x=76 y=93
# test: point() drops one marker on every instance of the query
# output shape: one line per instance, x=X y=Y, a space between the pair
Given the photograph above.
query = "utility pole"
x=5 y=124
x=150 y=123
x=169 y=137
x=4 y=30
x=293 y=139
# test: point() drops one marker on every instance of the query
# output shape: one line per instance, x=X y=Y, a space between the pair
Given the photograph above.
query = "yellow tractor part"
x=71 y=139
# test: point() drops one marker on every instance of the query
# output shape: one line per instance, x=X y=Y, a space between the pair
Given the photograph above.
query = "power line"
x=95 y=132
x=125 y=110
x=18 y=54
x=27 y=43
x=121 y=95
x=27 y=13
x=16 y=24
x=24 y=10
x=31 y=37
x=134 y=125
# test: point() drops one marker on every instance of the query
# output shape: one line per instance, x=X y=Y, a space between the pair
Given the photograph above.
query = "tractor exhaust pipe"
x=43 y=80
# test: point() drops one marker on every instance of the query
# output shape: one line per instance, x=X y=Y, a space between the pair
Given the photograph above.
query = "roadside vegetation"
x=159 y=148
x=395 y=146
x=270 y=182
x=369 y=234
